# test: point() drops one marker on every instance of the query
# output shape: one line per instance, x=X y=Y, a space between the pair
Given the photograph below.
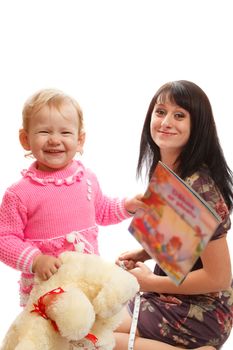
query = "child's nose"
x=54 y=139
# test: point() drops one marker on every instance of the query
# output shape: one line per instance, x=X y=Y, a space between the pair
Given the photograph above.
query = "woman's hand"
x=44 y=266
x=145 y=277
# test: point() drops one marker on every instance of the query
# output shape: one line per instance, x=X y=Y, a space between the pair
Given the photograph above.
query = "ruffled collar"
x=72 y=173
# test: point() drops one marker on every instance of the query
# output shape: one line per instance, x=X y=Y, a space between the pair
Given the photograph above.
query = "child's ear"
x=81 y=141
x=23 y=138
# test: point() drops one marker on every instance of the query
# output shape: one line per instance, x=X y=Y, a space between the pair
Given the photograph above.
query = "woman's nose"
x=167 y=120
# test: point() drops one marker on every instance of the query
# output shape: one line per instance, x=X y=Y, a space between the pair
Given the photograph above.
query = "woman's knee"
x=125 y=325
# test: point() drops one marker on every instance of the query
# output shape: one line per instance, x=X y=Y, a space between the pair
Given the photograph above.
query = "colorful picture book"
x=176 y=224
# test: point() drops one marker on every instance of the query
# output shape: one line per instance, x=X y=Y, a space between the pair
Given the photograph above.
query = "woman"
x=179 y=130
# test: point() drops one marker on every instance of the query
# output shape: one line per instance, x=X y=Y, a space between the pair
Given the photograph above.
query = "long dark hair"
x=203 y=146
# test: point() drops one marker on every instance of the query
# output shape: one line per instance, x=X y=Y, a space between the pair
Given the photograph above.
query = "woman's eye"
x=160 y=112
x=179 y=116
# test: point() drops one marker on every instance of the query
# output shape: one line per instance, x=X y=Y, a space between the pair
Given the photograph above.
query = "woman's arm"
x=213 y=277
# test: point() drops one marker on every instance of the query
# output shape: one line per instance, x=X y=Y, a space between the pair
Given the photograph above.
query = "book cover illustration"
x=176 y=225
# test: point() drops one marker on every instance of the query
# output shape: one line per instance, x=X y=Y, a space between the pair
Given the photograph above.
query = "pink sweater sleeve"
x=109 y=210
x=14 y=251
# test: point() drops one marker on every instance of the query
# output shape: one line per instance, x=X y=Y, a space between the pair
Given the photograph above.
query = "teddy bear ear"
x=72 y=305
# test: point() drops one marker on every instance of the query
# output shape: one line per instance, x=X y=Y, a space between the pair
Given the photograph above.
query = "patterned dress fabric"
x=191 y=321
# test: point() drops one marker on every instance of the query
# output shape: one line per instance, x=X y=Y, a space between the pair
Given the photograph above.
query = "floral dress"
x=190 y=321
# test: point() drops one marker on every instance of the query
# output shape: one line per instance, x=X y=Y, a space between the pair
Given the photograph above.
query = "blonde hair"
x=52 y=98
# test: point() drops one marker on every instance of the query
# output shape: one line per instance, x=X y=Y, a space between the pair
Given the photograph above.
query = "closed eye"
x=67 y=133
x=43 y=132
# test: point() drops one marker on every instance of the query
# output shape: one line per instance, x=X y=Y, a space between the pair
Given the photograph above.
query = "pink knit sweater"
x=50 y=213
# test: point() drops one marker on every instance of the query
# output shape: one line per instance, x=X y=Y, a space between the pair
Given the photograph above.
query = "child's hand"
x=131 y=205
x=131 y=258
x=45 y=266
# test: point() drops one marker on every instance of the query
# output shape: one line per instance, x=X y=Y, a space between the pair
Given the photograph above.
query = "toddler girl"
x=58 y=203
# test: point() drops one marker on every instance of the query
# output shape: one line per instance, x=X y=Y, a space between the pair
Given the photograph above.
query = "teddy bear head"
x=78 y=307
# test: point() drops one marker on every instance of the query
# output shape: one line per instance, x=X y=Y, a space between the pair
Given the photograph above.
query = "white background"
x=111 y=56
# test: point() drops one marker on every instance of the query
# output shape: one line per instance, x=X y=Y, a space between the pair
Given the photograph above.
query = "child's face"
x=170 y=127
x=53 y=137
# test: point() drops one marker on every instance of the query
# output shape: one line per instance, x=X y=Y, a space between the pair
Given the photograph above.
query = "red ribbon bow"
x=40 y=306
x=40 y=309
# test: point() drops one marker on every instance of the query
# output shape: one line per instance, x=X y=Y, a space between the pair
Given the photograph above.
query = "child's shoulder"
x=17 y=187
x=88 y=172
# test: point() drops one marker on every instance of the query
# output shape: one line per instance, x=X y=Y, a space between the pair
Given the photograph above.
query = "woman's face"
x=170 y=127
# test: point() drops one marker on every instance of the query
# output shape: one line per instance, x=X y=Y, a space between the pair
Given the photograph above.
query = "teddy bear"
x=79 y=307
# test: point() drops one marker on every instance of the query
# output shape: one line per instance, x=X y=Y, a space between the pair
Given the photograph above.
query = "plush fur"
x=95 y=292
